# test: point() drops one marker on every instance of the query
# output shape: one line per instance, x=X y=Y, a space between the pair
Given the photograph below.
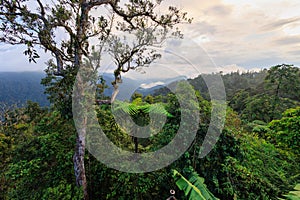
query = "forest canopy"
x=256 y=156
x=43 y=149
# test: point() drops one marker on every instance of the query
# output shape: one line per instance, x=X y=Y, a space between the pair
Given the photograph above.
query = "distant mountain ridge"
x=129 y=86
x=19 y=87
x=233 y=82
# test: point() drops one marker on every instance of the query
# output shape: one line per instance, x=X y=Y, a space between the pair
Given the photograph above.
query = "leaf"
x=133 y=108
x=294 y=195
x=194 y=188
x=158 y=108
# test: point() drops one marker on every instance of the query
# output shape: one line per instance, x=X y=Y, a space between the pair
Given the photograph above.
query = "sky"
x=230 y=35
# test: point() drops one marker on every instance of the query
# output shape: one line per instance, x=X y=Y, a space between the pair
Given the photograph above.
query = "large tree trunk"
x=81 y=121
x=78 y=160
x=78 y=157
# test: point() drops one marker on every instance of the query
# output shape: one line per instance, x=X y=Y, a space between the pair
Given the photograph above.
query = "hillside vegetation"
x=256 y=157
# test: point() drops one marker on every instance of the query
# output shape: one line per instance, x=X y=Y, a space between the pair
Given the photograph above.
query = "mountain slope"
x=19 y=87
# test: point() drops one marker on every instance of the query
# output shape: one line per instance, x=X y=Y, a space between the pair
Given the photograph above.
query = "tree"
x=139 y=111
x=283 y=80
x=37 y=167
x=238 y=101
x=284 y=132
x=36 y=24
x=265 y=107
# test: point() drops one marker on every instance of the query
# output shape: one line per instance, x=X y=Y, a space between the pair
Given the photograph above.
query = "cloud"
x=238 y=36
x=290 y=40
x=150 y=85
x=234 y=68
x=203 y=27
x=221 y=10
x=232 y=33
x=295 y=52
x=279 y=23
x=13 y=59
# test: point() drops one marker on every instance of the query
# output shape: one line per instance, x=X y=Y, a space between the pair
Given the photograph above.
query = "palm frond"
x=133 y=108
x=126 y=107
x=193 y=187
x=159 y=108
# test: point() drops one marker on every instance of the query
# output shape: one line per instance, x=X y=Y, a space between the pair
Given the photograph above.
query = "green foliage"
x=138 y=108
x=234 y=82
x=111 y=184
x=277 y=89
x=136 y=95
x=261 y=129
x=251 y=94
x=38 y=169
x=263 y=168
x=254 y=160
x=228 y=145
x=265 y=107
x=284 y=132
x=59 y=90
x=63 y=191
x=293 y=195
x=193 y=187
x=140 y=112
x=239 y=100
x=5 y=156
x=245 y=167
x=137 y=186
x=284 y=81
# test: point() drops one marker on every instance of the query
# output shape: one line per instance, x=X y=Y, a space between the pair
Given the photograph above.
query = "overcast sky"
x=233 y=34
